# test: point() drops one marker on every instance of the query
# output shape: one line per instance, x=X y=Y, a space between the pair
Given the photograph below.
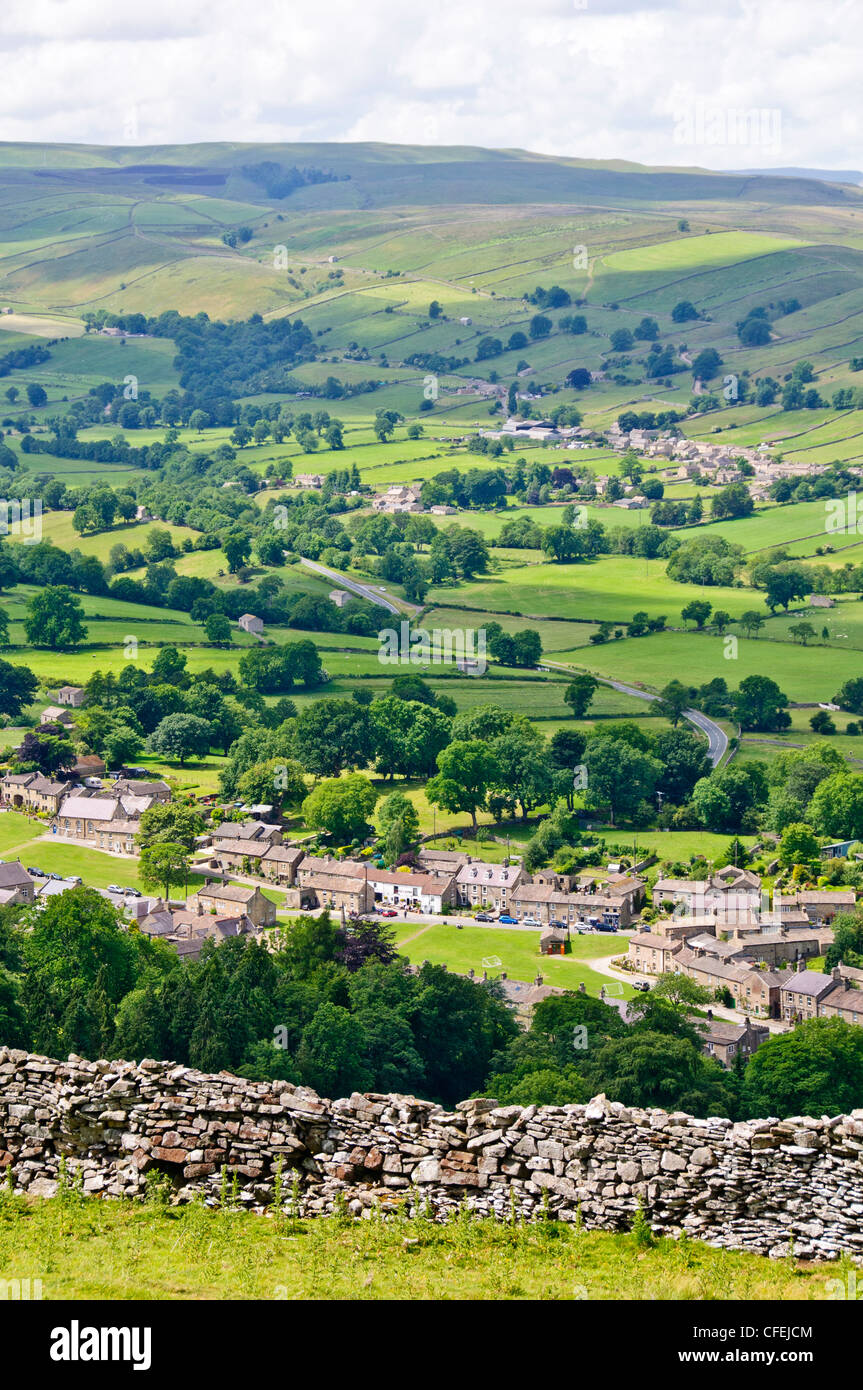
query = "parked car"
x=389 y=912
x=640 y=984
x=531 y=922
x=112 y=887
x=59 y=877
x=94 y=782
x=484 y=917
x=555 y=922
x=74 y=878
x=510 y=921
x=132 y=892
x=37 y=873
x=606 y=926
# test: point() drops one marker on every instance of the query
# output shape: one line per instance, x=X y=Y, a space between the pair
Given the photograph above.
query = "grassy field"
x=803 y=673
x=117 y=1250
x=495 y=949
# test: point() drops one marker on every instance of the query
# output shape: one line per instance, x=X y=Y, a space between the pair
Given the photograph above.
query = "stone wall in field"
x=768 y=1186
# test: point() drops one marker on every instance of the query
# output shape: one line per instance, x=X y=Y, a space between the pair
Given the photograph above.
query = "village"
x=748 y=950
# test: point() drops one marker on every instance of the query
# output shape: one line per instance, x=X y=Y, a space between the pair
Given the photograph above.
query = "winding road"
x=717 y=739
x=361 y=590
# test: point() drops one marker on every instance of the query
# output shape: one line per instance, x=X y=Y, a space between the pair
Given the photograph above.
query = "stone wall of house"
x=759 y=1185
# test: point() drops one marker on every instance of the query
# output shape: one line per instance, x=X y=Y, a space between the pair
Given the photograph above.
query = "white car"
x=114 y=888
x=531 y=922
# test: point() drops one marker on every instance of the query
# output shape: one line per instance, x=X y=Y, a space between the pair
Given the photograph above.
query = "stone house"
x=442 y=861
x=340 y=892
x=652 y=954
x=479 y=884
x=264 y=832
x=105 y=822
x=802 y=993
x=339 y=597
x=16 y=885
x=157 y=791
x=72 y=695
x=32 y=791
x=54 y=714
x=244 y=855
x=233 y=899
x=311 y=866
x=429 y=893
x=755 y=991
x=250 y=623
x=280 y=862
x=822 y=905
x=843 y=1001
x=724 y=1039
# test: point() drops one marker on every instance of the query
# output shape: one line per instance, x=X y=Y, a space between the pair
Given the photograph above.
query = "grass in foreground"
x=84 y=1248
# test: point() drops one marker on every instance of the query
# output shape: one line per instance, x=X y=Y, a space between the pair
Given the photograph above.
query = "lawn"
x=496 y=949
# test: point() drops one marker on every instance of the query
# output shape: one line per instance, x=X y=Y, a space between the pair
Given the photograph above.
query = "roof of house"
x=103 y=807
x=825 y=896
x=71 y=690
x=249 y=849
x=723 y=1030
x=431 y=884
x=283 y=854
x=249 y=829
x=478 y=871
x=13 y=873
x=847 y=1000
x=339 y=883
x=654 y=942
x=541 y=893
x=723 y=950
x=311 y=864
x=811 y=982
x=231 y=892
x=18 y=779
x=680 y=885
x=127 y=787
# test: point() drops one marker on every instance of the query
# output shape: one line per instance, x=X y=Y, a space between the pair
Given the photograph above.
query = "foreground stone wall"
x=761 y=1185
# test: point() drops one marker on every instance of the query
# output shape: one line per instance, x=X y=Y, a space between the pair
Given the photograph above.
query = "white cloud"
x=612 y=79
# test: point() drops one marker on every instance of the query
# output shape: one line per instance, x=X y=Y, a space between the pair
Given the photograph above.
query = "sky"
x=730 y=85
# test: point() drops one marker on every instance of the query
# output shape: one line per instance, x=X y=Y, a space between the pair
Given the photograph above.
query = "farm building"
x=249 y=623
x=71 y=695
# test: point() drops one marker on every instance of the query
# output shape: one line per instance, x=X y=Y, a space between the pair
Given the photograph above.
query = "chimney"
x=836 y=972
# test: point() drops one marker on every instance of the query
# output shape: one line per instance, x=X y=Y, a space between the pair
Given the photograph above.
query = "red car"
x=389 y=912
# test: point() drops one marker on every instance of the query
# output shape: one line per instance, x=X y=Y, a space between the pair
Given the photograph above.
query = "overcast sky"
x=657 y=81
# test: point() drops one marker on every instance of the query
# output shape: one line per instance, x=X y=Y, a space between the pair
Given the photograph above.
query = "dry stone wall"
x=761 y=1185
